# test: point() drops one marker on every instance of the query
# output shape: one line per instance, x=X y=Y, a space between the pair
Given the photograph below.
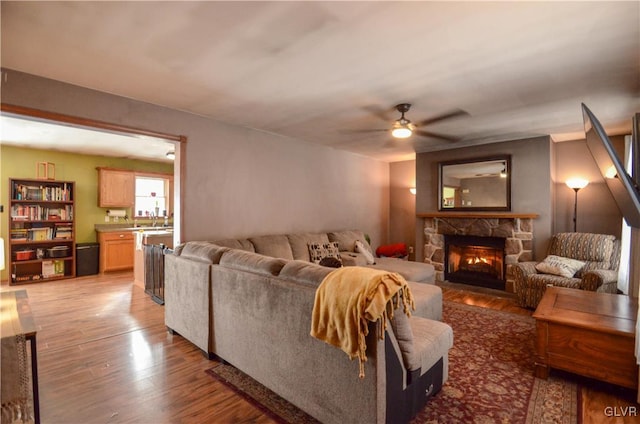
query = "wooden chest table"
x=587 y=333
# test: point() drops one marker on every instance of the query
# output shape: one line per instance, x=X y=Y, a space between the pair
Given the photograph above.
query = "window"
x=152 y=196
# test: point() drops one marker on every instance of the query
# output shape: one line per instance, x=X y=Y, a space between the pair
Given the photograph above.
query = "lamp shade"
x=611 y=172
x=577 y=183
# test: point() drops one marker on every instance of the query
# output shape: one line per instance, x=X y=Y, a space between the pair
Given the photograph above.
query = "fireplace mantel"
x=466 y=215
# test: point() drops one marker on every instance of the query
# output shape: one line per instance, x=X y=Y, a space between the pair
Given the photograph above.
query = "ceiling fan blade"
x=382 y=113
x=453 y=114
x=363 y=131
x=436 y=135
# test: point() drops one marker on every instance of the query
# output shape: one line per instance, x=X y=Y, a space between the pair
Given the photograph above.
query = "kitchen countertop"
x=110 y=228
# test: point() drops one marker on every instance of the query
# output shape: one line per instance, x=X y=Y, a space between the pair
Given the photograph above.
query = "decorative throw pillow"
x=317 y=251
x=360 y=248
x=558 y=265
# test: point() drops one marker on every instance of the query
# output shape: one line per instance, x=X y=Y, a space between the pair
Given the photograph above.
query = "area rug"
x=491 y=374
x=264 y=399
x=490 y=377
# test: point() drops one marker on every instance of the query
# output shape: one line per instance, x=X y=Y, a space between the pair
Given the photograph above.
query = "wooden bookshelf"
x=41 y=230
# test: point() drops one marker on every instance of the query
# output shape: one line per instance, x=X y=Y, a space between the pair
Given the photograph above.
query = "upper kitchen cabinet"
x=116 y=188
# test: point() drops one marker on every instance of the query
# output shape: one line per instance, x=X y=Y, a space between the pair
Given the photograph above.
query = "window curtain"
x=625 y=238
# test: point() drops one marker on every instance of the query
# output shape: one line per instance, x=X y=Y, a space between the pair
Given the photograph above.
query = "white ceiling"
x=37 y=134
x=320 y=71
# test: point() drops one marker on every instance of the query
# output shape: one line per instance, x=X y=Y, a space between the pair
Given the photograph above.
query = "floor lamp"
x=576 y=184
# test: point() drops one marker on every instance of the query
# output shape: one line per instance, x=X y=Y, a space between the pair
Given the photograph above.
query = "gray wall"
x=402 y=215
x=597 y=210
x=236 y=181
x=540 y=169
x=532 y=190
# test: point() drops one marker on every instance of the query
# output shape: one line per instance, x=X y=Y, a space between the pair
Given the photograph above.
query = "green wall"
x=18 y=162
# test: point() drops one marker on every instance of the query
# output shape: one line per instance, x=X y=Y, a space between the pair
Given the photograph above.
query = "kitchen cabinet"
x=116 y=188
x=116 y=251
x=41 y=230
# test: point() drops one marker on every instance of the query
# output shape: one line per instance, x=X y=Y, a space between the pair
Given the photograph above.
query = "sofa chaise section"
x=262 y=309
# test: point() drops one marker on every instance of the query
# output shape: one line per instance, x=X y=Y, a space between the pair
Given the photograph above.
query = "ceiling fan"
x=404 y=128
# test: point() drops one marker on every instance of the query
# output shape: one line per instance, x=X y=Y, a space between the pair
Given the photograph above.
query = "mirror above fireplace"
x=482 y=184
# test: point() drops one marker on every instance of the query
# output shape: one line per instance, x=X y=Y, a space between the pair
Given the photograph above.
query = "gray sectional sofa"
x=250 y=301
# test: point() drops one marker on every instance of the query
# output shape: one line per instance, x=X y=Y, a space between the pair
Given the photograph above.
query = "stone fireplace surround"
x=517 y=229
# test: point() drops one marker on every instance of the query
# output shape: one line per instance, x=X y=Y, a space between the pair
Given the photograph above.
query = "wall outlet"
x=410 y=249
x=106 y=218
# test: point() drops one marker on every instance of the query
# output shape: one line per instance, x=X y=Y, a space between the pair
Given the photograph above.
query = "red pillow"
x=392 y=250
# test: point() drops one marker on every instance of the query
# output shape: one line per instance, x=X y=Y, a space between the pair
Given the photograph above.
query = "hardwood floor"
x=105 y=356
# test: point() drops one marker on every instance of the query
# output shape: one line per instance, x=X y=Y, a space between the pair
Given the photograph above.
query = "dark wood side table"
x=16 y=320
x=587 y=333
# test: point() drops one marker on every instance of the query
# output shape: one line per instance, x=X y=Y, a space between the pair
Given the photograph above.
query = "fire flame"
x=477 y=260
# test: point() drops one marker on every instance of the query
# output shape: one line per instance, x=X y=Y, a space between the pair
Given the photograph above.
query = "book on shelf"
x=48 y=193
x=54 y=268
x=40 y=213
x=62 y=231
x=39 y=234
x=19 y=234
x=21 y=278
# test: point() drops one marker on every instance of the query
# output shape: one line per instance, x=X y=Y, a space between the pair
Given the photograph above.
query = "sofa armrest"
x=187 y=297
x=525 y=268
x=525 y=295
x=202 y=251
x=600 y=280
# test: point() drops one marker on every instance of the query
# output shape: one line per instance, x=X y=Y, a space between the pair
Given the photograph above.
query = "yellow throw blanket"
x=348 y=298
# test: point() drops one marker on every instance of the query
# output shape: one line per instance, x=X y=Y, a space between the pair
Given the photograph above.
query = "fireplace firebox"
x=475 y=260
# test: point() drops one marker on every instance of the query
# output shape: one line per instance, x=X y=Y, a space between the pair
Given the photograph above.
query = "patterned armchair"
x=599 y=256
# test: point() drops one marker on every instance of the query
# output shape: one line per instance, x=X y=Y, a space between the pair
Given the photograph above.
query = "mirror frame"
x=442 y=165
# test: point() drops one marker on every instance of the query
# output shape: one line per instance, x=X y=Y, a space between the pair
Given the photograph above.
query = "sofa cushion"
x=432 y=341
x=539 y=282
x=404 y=335
x=240 y=244
x=427 y=299
x=300 y=244
x=202 y=251
x=597 y=250
x=352 y=259
x=276 y=246
x=557 y=265
x=304 y=272
x=347 y=239
x=411 y=271
x=318 y=251
x=252 y=262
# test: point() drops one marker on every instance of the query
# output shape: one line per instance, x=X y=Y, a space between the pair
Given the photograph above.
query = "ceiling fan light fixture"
x=402 y=129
